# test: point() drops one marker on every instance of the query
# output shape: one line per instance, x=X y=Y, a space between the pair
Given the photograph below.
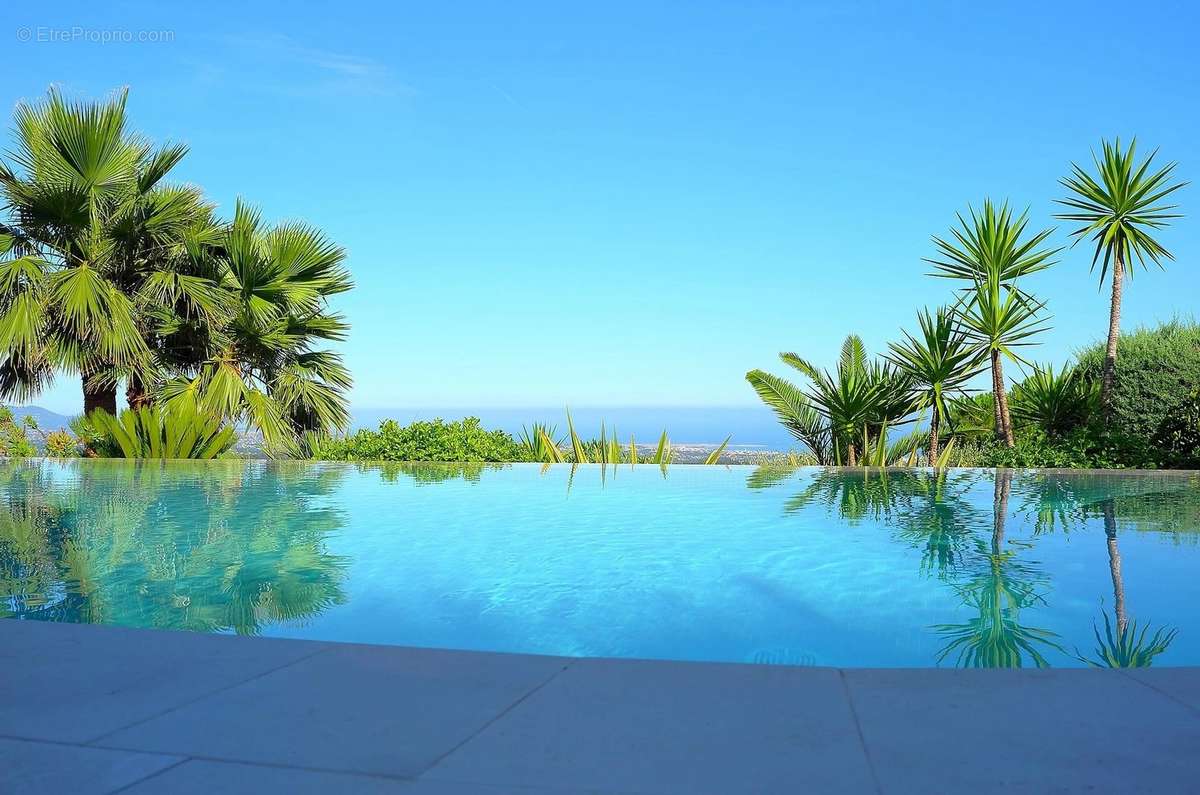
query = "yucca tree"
x=992 y=252
x=1119 y=209
x=262 y=365
x=940 y=363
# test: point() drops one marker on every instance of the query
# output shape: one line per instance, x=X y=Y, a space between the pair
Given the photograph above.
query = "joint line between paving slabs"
x=1164 y=693
x=209 y=694
x=155 y=774
x=491 y=722
x=862 y=740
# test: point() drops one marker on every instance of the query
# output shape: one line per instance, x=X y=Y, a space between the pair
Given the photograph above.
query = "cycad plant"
x=843 y=412
x=179 y=431
x=992 y=253
x=940 y=363
x=1118 y=210
x=795 y=412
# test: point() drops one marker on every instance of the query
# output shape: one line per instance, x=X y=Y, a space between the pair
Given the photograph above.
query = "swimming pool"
x=798 y=566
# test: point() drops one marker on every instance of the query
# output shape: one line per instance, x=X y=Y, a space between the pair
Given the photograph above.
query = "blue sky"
x=631 y=204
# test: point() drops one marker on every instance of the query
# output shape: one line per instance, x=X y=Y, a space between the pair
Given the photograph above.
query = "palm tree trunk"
x=136 y=395
x=1005 y=414
x=1114 y=566
x=1114 y=333
x=851 y=455
x=1004 y=430
x=934 y=422
x=102 y=397
x=1000 y=496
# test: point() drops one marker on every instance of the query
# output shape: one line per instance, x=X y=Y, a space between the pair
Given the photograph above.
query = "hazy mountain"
x=47 y=420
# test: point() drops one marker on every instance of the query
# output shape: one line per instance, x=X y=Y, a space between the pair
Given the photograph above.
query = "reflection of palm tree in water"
x=931 y=509
x=1003 y=586
x=1114 y=565
x=1126 y=647
x=226 y=545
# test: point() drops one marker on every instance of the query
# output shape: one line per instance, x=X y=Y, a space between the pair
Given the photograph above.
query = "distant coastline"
x=694 y=431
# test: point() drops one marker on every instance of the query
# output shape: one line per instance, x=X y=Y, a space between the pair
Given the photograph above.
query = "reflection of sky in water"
x=713 y=563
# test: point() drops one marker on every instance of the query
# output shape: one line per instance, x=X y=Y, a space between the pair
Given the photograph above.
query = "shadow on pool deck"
x=86 y=709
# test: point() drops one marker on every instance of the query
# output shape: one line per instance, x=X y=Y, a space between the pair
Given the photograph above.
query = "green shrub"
x=60 y=444
x=1058 y=402
x=1078 y=449
x=436 y=440
x=13 y=441
x=1154 y=420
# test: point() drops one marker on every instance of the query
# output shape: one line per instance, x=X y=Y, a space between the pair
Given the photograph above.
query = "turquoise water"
x=804 y=566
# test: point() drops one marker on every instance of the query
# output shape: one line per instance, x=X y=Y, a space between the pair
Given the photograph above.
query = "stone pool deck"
x=87 y=709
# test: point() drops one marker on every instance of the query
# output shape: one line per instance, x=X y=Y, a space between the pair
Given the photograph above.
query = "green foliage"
x=262 y=364
x=13 y=441
x=1119 y=209
x=795 y=412
x=1126 y=647
x=971 y=417
x=990 y=247
x=844 y=411
x=180 y=431
x=1155 y=419
x=61 y=444
x=1078 y=449
x=540 y=442
x=715 y=455
x=1055 y=402
x=109 y=272
x=436 y=440
x=941 y=360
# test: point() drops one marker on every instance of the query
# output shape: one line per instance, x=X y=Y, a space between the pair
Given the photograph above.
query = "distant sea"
x=753 y=428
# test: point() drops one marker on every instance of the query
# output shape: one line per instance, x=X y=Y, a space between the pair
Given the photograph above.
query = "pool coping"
x=98 y=709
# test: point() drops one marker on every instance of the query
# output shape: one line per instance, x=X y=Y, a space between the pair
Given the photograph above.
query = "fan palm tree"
x=1118 y=210
x=940 y=363
x=75 y=172
x=992 y=252
x=89 y=256
x=262 y=365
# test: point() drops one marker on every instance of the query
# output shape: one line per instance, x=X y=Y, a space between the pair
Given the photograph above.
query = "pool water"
x=797 y=566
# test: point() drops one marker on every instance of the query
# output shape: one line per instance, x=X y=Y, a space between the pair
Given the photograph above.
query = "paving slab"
x=994 y=731
x=205 y=777
x=367 y=709
x=30 y=767
x=649 y=727
x=75 y=682
x=1179 y=684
